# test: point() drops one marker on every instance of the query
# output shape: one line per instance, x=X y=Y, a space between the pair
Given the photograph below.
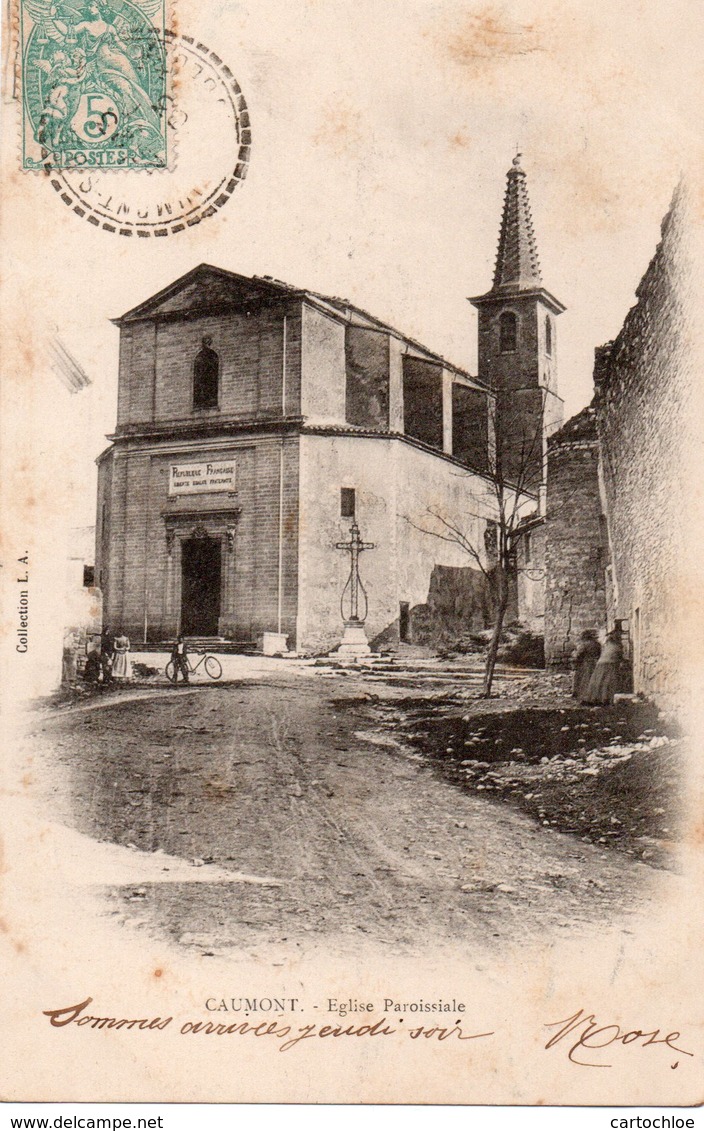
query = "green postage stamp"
x=93 y=84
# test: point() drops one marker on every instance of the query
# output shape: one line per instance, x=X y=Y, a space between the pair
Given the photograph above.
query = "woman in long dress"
x=122 y=664
x=584 y=663
x=604 y=681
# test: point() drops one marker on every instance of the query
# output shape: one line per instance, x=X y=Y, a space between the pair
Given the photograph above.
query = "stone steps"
x=214 y=644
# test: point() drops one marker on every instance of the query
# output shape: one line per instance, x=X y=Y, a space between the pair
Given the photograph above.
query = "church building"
x=258 y=421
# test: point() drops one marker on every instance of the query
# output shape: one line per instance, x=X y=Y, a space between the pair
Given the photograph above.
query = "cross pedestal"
x=354 y=640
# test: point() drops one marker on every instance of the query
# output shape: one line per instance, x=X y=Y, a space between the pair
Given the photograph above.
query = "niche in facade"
x=508 y=332
x=206 y=376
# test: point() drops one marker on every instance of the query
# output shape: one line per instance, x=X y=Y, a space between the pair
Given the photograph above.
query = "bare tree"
x=511 y=482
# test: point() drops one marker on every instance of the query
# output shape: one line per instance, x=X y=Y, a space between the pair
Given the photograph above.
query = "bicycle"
x=213 y=667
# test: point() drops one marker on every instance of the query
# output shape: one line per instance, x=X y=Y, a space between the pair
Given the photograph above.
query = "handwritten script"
x=288 y=1036
x=583 y=1035
x=583 y=1038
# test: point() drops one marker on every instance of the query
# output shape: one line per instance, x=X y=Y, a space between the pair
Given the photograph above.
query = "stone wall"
x=367 y=368
x=397 y=485
x=470 y=426
x=423 y=401
x=460 y=603
x=530 y=578
x=575 y=553
x=322 y=368
x=622 y=500
x=647 y=434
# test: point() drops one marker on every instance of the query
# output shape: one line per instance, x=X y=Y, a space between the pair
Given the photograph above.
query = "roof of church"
x=517 y=270
x=206 y=288
x=517 y=262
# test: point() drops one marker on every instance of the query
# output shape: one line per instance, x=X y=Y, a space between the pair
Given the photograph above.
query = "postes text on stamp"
x=93 y=84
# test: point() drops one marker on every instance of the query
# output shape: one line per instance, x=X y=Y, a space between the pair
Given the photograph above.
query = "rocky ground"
x=389 y=804
x=609 y=776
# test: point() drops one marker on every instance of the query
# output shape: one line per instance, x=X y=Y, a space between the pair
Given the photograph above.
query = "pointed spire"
x=517 y=264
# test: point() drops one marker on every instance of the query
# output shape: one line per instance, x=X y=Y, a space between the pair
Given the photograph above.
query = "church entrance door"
x=200 y=586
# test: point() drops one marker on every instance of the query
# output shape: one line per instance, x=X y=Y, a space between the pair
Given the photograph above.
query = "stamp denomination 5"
x=93 y=84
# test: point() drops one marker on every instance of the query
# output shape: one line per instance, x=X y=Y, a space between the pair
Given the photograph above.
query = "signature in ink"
x=583 y=1032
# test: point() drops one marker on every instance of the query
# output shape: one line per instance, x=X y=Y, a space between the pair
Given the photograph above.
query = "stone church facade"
x=257 y=421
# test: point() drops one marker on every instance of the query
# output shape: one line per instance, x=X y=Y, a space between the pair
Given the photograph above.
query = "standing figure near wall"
x=107 y=652
x=68 y=670
x=604 y=681
x=91 y=671
x=584 y=663
x=179 y=659
x=122 y=664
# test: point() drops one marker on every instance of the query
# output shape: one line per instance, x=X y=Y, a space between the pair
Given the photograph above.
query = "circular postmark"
x=208 y=136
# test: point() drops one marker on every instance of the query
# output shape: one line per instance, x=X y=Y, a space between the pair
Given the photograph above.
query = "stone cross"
x=354 y=548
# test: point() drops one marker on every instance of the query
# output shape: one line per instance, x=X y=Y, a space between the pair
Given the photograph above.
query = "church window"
x=206 y=376
x=347 y=502
x=548 y=334
x=508 y=332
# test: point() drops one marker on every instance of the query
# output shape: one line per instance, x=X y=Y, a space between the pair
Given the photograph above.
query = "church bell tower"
x=518 y=344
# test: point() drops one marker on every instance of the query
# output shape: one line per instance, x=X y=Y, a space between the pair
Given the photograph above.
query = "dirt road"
x=283 y=780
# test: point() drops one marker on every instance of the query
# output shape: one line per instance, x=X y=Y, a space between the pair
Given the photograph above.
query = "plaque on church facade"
x=205 y=478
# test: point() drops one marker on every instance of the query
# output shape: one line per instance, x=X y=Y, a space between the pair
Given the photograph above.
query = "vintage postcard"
x=352 y=551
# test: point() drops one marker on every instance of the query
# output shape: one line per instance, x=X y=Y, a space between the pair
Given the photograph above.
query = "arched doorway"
x=201 y=569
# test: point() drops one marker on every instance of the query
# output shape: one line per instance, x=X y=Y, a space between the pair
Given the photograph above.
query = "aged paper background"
x=381 y=133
